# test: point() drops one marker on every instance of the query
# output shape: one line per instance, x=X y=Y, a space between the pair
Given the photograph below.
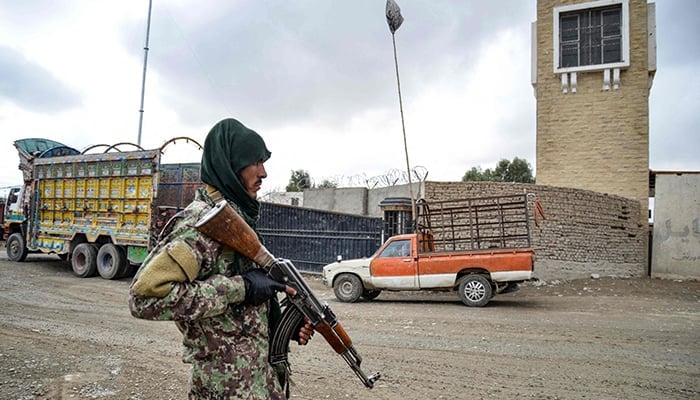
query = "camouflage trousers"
x=221 y=381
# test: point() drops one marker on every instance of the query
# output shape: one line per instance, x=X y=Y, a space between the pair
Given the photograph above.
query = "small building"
x=675 y=249
x=288 y=198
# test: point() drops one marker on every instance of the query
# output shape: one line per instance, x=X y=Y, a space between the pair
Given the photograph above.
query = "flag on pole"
x=393 y=16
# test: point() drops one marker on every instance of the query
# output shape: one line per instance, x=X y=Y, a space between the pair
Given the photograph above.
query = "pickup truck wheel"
x=16 y=247
x=84 y=260
x=370 y=294
x=347 y=288
x=475 y=290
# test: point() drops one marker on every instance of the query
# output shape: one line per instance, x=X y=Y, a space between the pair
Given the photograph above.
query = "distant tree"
x=500 y=173
x=474 y=175
x=299 y=181
x=519 y=170
x=326 y=184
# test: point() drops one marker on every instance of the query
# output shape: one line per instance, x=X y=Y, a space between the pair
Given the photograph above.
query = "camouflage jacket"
x=226 y=342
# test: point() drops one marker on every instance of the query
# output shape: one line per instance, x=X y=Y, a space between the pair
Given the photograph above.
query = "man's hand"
x=306 y=332
x=259 y=287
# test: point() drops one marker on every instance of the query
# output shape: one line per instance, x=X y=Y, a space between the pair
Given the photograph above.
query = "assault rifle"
x=224 y=225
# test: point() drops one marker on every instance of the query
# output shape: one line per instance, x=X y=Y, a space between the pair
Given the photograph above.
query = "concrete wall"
x=288 y=198
x=346 y=200
x=676 y=240
x=360 y=201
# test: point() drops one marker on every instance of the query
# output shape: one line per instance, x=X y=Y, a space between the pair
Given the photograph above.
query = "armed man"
x=223 y=303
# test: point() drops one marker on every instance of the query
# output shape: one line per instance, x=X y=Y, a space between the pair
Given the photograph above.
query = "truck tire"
x=347 y=288
x=475 y=290
x=84 y=260
x=370 y=294
x=111 y=261
x=16 y=247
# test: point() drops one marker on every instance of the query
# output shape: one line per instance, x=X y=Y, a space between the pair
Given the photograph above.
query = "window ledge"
x=593 y=68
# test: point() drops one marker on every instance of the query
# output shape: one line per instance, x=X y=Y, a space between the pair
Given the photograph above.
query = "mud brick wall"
x=583 y=230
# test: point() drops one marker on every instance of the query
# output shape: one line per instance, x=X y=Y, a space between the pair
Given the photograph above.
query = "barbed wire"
x=392 y=177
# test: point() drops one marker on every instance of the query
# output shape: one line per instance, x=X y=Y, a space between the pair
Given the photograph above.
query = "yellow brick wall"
x=593 y=139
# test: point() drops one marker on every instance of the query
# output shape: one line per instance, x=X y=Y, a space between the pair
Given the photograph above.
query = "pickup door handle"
x=407 y=260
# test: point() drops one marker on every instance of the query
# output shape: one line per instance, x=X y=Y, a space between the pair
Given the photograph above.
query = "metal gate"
x=313 y=238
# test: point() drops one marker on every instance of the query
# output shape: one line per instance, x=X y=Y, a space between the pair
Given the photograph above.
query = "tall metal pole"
x=394 y=19
x=145 y=62
x=405 y=145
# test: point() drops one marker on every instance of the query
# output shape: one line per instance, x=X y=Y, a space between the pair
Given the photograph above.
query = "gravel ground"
x=62 y=337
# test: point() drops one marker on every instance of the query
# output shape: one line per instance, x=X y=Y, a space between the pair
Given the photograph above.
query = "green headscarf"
x=229 y=147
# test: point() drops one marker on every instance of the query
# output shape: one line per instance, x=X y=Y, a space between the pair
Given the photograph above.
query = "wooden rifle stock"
x=224 y=225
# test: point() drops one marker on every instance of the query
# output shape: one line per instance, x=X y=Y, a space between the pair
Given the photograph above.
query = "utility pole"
x=145 y=62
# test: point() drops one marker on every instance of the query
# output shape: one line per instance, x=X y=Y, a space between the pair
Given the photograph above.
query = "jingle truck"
x=101 y=209
x=478 y=247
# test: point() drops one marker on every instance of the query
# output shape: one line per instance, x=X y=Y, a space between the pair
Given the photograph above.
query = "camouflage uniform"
x=225 y=341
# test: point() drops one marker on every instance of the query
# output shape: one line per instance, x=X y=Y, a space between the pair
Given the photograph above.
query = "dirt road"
x=610 y=338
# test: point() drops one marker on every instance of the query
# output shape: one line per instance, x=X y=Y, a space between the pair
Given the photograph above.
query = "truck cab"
x=12 y=212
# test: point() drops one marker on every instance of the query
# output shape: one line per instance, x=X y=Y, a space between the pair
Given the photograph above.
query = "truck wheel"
x=111 y=261
x=16 y=247
x=475 y=290
x=84 y=260
x=370 y=294
x=347 y=288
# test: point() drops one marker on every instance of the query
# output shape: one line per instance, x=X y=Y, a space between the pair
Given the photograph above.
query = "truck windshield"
x=12 y=199
x=399 y=248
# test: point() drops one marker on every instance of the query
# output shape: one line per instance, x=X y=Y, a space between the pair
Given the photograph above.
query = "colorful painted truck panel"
x=479 y=247
x=102 y=211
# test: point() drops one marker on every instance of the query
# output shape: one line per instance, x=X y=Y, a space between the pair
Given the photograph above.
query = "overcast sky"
x=315 y=78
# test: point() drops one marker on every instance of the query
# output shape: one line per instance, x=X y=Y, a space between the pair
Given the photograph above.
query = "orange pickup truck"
x=479 y=247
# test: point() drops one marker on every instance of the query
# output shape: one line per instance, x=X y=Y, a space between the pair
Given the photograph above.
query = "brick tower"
x=593 y=67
